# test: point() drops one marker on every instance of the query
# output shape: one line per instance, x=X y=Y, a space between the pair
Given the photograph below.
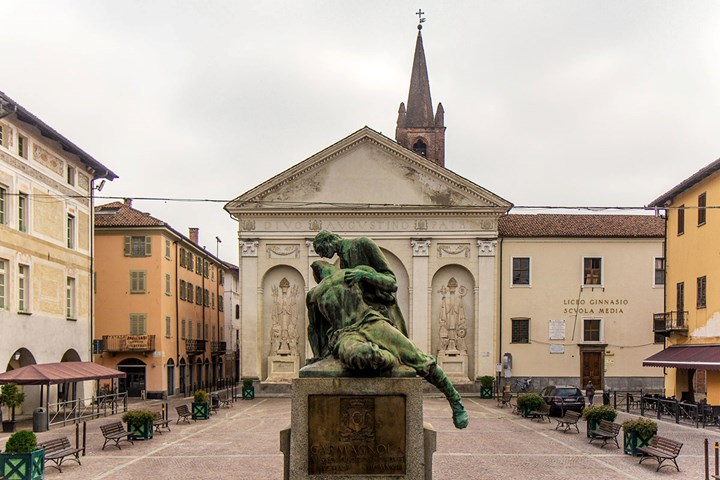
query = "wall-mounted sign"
x=557 y=348
x=556 y=329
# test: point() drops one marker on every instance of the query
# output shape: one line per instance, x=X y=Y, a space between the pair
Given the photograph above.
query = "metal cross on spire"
x=421 y=19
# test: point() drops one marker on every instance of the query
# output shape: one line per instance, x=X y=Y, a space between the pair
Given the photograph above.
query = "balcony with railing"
x=129 y=343
x=195 y=346
x=670 y=322
x=218 y=348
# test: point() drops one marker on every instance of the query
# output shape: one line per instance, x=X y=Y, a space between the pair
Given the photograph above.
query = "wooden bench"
x=161 y=423
x=504 y=400
x=58 y=449
x=184 y=414
x=569 y=420
x=662 y=449
x=115 y=432
x=606 y=431
x=541 y=414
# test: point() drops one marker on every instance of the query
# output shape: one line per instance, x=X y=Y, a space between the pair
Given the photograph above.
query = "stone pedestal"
x=455 y=366
x=282 y=368
x=348 y=427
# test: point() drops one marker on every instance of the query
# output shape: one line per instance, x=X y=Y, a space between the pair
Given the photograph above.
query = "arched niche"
x=65 y=390
x=403 y=281
x=22 y=357
x=283 y=290
x=457 y=285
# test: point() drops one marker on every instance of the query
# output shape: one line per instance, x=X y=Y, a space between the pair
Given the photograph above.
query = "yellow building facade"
x=160 y=311
x=691 y=318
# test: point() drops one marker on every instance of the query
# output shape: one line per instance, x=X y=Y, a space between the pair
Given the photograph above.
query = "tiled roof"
x=119 y=214
x=696 y=177
x=588 y=226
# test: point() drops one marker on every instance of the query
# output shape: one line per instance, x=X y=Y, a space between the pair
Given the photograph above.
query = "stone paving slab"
x=243 y=443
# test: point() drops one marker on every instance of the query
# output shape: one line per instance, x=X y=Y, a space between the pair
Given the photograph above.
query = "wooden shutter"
x=128 y=241
x=148 y=246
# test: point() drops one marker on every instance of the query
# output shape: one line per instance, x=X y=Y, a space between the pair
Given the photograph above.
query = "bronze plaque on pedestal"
x=356 y=435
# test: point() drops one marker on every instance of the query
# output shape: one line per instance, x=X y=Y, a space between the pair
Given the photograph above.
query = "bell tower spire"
x=417 y=128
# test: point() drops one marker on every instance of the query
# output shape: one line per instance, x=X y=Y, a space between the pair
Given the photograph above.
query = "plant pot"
x=8 y=426
x=200 y=410
x=592 y=424
x=248 y=393
x=141 y=432
x=486 y=392
x=23 y=466
x=631 y=441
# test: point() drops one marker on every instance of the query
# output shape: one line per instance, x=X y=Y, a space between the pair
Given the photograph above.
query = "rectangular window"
x=70 y=175
x=70 y=231
x=167 y=284
x=138 y=324
x=212 y=299
x=138 y=246
x=2 y=137
x=138 y=281
x=70 y=298
x=182 y=290
x=3 y=205
x=23 y=288
x=702 y=203
x=206 y=269
x=592 y=271
x=591 y=330
x=681 y=220
x=680 y=301
x=213 y=333
x=198 y=265
x=190 y=330
x=521 y=271
x=199 y=331
x=198 y=295
x=22 y=212
x=3 y=284
x=22 y=146
x=182 y=331
x=206 y=332
x=221 y=306
x=190 y=292
x=221 y=276
x=167 y=327
x=701 y=290
x=189 y=260
x=206 y=298
x=659 y=278
x=520 y=330
x=167 y=249
x=212 y=273
x=182 y=257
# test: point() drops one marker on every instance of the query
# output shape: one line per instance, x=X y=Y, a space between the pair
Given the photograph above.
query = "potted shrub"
x=200 y=405
x=486 y=384
x=22 y=459
x=140 y=423
x=528 y=402
x=11 y=396
x=248 y=391
x=637 y=433
x=594 y=413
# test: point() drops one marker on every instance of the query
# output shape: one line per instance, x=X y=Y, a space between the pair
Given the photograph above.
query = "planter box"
x=486 y=392
x=592 y=425
x=200 y=410
x=23 y=466
x=8 y=426
x=141 y=432
x=248 y=393
x=631 y=441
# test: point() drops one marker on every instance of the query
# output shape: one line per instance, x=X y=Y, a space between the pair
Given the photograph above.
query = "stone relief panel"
x=453 y=250
x=421 y=247
x=453 y=327
x=47 y=159
x=486 y=248
x=248 y=248
x=284 y=334
x=247 y=225
x=282 y=251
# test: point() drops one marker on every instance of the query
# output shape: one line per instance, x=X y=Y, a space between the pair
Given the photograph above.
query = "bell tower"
x=417 y=128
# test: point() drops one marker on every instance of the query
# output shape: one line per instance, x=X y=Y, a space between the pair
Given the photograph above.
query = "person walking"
x=590 y=392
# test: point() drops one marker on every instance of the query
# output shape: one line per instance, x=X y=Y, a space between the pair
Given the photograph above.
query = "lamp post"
x=217 y=246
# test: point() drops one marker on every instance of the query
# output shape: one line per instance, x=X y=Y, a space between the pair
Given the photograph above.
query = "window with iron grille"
x=701 y=290
x=520 y=330
x=592 y=271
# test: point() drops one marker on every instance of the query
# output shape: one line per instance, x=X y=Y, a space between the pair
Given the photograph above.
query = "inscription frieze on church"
x=374 y=224
x=356 y=435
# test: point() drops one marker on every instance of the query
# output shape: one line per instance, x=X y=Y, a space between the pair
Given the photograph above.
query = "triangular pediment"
x=370 y=171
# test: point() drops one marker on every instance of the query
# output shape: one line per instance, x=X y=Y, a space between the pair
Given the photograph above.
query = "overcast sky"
x=571 y=103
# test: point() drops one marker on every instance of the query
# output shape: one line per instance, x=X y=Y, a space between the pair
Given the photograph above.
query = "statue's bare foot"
x=460 y=416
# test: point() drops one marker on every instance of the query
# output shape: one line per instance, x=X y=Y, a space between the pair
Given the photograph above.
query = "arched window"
x=420 y=148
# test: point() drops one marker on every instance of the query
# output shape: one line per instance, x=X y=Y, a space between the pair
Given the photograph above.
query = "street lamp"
x=217 y=246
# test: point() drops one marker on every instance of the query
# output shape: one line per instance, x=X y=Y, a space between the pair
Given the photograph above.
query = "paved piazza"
x=242 y=443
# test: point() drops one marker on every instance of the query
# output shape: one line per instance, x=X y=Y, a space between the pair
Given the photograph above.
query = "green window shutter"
x=167 y=327
x=148 y=246
x=127 y=246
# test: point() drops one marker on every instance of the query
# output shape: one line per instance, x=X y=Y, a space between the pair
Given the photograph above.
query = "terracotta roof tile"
x=589 y=226
x=119 y=214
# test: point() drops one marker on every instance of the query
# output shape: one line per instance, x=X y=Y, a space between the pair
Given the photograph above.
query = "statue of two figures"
x=354 y=317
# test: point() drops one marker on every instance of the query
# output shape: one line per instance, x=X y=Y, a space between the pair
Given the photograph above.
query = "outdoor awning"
x=701 y=357
x=62 y=372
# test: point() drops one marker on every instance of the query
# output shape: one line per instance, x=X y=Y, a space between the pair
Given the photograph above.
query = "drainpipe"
x=177 y=313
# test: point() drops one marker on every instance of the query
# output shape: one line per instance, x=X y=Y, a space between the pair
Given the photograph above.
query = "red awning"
x=62 y=372
x=701 y=357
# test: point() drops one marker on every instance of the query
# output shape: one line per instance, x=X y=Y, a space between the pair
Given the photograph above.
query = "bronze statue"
x=362 y=336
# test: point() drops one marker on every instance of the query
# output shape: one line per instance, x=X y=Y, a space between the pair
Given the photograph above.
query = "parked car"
x=562 y=398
